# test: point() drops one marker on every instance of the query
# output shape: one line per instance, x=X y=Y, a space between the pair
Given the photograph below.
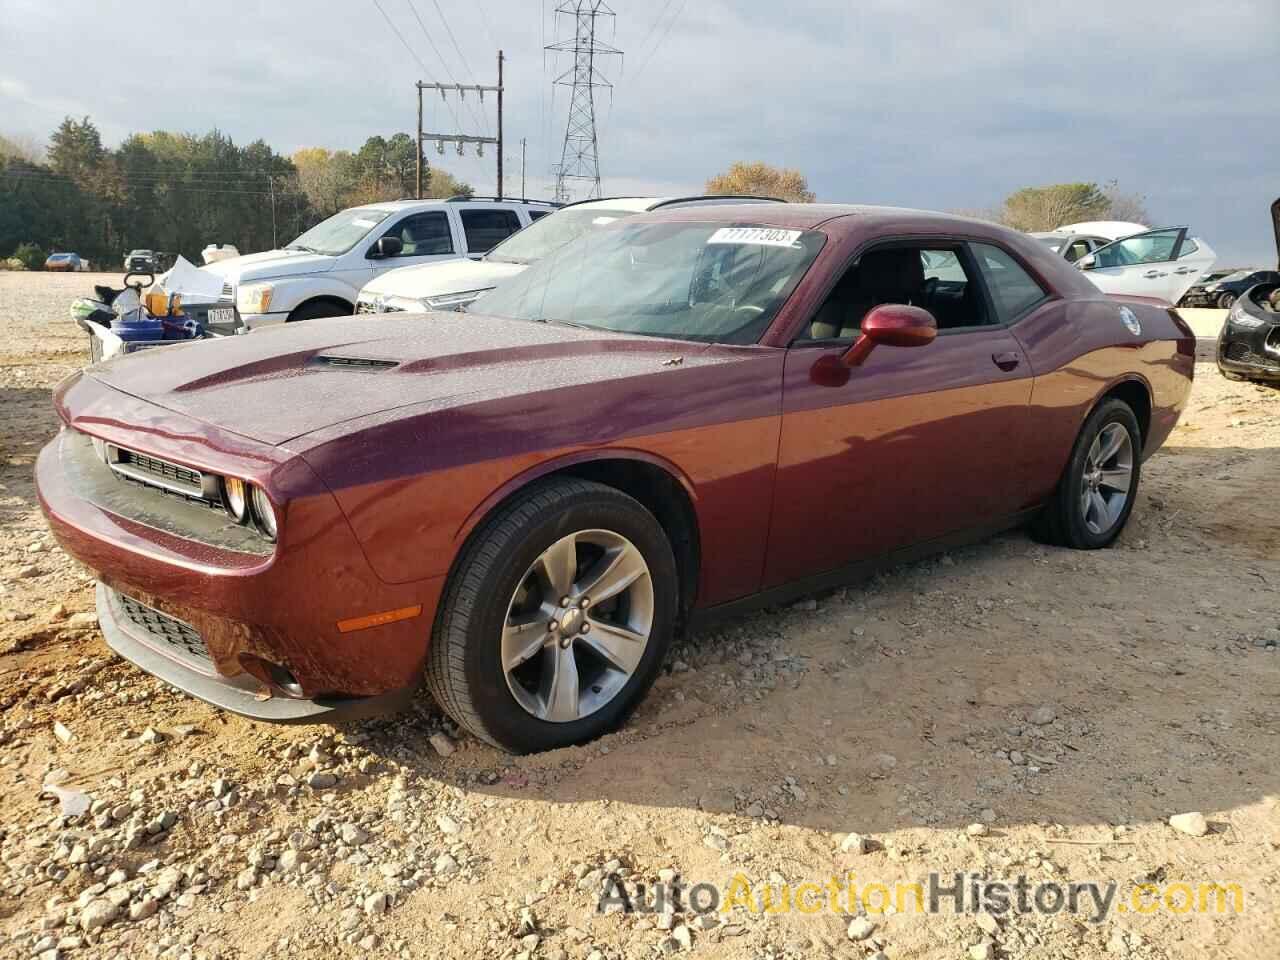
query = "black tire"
x=316 y=309
x=1225 y=300
x=1061 y=522
x=464 y=668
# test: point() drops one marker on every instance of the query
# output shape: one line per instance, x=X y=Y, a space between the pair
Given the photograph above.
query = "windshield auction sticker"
x=760 y=236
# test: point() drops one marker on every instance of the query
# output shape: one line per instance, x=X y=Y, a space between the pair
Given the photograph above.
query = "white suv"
x=320 y=273
x=451 y=286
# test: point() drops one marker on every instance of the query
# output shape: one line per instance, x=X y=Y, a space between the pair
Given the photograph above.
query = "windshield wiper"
x=303 y=247
x=564 y=323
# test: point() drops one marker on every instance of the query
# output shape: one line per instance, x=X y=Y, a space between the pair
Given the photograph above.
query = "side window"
x=1154 y=247
x=1076 y=250
x=423 y=234
x=536 y=214
x=1188 y=246
x=932 y=277
x=1013 y=290
x=486 y=228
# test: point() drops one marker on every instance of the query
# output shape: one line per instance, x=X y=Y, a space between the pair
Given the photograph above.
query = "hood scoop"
x=358 y=363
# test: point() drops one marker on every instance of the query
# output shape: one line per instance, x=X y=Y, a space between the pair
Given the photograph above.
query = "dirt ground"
x=1004 y=710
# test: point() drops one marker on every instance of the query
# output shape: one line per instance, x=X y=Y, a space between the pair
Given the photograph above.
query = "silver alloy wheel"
x=577 y=625
x=1108 y=476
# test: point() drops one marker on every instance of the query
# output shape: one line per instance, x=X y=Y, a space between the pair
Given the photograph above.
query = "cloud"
x=916 y=102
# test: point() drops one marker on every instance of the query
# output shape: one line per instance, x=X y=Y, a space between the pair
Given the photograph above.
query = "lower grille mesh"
x=180 y=637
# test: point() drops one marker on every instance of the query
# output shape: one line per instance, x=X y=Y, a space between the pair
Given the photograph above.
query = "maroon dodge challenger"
x=684 y=414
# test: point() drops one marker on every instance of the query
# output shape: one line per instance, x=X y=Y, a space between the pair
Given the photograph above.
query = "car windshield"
x=340 y=232
x=552 y=232
x=688 y=281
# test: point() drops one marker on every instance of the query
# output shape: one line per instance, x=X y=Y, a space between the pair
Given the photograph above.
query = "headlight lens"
x=233 y=497
x=1238 y=318
x=254 y=298
x=264 y=514
x=452 y=301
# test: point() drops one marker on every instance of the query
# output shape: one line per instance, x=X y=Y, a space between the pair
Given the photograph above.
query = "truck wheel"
x=315 y=309
x=556 y=619
x=1095 y=495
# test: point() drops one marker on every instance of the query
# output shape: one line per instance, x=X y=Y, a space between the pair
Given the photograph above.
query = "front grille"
x=179 y=638
x=364 y=306
x=1240 y=353
x=163 y=474
x=161 y=468
x=227 y=292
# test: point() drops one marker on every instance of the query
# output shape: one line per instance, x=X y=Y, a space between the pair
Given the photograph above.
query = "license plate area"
x=222 y=315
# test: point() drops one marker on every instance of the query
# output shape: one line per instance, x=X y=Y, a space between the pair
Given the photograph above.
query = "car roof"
x=395 y=205
x=807 y=216
x=634 y=204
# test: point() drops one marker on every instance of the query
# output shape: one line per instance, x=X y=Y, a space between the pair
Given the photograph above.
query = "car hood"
x=437 y=279
x=269 y=264
x=281 y=383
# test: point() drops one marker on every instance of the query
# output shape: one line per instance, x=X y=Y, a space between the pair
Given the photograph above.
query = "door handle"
x=1183 y=271
x=1006 y=361
x=1154 y=274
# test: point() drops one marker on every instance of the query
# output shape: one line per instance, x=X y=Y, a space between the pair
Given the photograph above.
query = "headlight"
x=233 y=498
x=254 y=298
x=1237 y=317
x=452 y=301
x=1212 y=288
x=264 y=514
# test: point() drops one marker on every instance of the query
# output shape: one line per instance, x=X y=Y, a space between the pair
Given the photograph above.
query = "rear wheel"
x=1095 y=495
x=556 y=621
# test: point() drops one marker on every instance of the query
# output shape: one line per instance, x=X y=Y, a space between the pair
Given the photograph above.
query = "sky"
x=936 y=105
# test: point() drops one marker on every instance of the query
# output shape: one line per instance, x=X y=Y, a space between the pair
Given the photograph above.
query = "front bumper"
x=266 y=616
x=1252 y=353
x=157 y=650
x=252 y=321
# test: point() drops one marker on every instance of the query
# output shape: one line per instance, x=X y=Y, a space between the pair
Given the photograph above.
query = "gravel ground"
x=1003 y=710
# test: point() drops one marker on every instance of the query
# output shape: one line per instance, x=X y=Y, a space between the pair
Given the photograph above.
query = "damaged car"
x=1249 y=343
x=683 y=415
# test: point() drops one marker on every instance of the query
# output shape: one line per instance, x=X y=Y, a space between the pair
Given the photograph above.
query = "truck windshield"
x=340 y=232
x=689 y=281
x=552 y=232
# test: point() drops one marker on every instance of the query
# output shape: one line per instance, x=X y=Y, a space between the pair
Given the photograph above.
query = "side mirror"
x=893 y=325
x=385 y=247
x=1087 y=262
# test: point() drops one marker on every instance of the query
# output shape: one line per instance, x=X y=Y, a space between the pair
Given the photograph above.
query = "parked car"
x=141 y=261
x=453 y=285
x=1159 y=264
x=688 y=413
x=1195 y=296
x=1249 y=342
x=62 y=262
x=320 y=273
x=1071 y=246
x=1224 y=291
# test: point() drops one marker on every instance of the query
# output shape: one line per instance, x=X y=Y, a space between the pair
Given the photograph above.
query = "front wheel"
x=555 y=622
x=1225 y=300
x=317 y=309
x=1095 y=495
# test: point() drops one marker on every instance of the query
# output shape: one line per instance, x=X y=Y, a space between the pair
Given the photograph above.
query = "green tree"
x=1049 y=207
x=75 y=148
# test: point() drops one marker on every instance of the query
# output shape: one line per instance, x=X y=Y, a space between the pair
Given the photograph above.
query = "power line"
x=653 y=26
x=449 y=73
x=396 y=31
x=670 y=23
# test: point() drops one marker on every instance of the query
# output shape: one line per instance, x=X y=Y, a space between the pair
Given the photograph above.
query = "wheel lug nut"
x=584 y=602
x=552 y=626
x=586 y=628
x=566 y=601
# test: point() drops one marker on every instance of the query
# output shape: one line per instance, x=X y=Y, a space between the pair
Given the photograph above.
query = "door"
x=915 y=443
x=424 y=237
x=1162 y=263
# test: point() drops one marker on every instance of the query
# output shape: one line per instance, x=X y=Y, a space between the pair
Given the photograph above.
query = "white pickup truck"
x=320 y=273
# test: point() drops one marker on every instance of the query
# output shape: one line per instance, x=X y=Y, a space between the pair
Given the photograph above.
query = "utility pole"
x=271 y=185
x=524 y=142
x=580 y=156
x=457 y=137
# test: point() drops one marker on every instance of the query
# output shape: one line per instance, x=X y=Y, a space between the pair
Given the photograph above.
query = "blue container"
x=139 y=325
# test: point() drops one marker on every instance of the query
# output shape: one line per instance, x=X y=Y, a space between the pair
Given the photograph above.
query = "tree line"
x=178 y=192
x=1030 y=208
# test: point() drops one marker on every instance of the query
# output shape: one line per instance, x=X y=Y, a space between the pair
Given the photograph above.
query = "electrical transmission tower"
x=580 y=157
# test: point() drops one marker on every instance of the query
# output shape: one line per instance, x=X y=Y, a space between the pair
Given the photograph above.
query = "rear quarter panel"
x=1084 y=351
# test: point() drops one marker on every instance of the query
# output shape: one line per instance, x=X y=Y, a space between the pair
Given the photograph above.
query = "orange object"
x=378 y=619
